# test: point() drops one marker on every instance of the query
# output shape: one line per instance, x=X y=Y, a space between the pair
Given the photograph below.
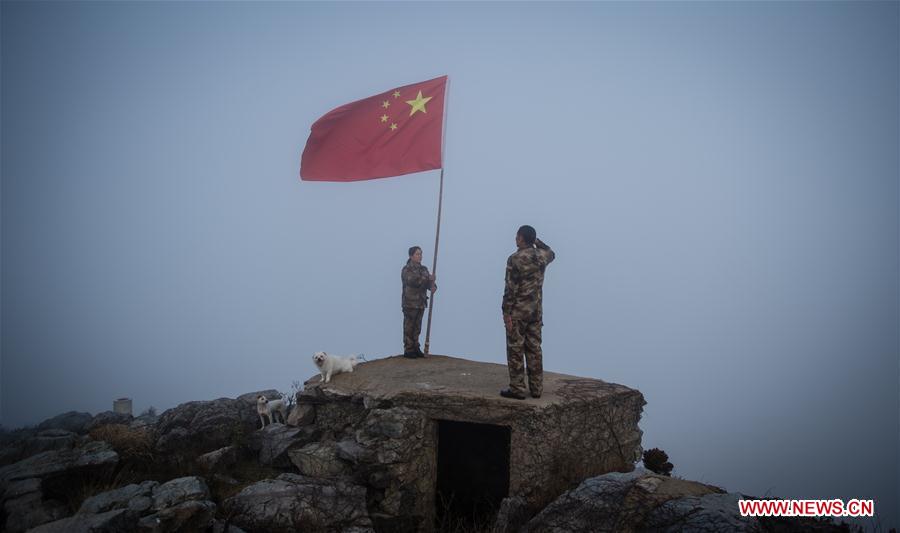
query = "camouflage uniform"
x=522 y=302
x=416 y=282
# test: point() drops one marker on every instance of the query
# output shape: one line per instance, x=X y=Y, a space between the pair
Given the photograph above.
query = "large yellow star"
x=418 y=104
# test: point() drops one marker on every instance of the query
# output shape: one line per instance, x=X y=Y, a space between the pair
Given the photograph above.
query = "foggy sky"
x=719 y=182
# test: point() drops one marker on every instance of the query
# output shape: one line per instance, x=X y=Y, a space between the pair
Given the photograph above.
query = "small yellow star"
x=396 y=94
x=384 y=118
x=385 y=104
x=393 y=126
x=418 y=104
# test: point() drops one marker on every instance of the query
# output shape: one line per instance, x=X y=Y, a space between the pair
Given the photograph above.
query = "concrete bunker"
x=411 y=430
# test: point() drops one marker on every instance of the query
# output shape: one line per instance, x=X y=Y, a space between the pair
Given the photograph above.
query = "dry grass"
x=131 y=444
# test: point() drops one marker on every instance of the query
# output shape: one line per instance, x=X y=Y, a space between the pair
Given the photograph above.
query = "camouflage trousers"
x=412 y=326
x=524 y=340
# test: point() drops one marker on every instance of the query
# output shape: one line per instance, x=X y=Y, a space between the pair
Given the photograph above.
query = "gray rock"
x=180 y=490
x=294 y=502
x=601 y=503
x=137 y=497
x=643 y=501
x=302 y=414
x=350 y=450
x=74 y=421
x=31 y=443
x=144 y=422
x=221 y=526
x=28 y=508
x=118 y=521
x=319 y=460
x=22 y=484
x=219 y=459
x=511 y=516
x=195 y=428
x=188 y=516
x=711 y=512
x=276 y=440
x=251 y=397
x=109 y=417
x=93 y=459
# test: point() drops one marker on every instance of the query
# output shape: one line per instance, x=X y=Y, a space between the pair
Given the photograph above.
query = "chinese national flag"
x=396 y=132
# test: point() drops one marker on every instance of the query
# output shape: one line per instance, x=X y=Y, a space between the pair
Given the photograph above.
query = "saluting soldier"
x=416 y=282
x=523 y=313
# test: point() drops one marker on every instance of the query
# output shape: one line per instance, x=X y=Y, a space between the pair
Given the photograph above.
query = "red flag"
x=389 y=134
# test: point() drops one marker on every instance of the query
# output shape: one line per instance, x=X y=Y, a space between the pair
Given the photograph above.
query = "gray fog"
x=719 y=182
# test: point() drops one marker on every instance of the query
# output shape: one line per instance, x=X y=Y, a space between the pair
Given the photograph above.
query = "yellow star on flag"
x=418 y=104
x=393 y=126
x=385 y=104
x=396 y=94
x=384 y=118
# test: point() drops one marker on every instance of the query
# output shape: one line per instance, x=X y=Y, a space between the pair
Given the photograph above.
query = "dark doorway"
x=472 y=474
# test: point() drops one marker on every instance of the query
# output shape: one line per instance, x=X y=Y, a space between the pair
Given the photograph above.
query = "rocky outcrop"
x=182 y=504
x=118 y=521
x=29 y=443
x=136 y=497
x=276 y=441
x=195 y=428
x=32 y=490
x=74 y=421
x=293 y=502
x=220 y=459
x=109 y=417
x=644 y=501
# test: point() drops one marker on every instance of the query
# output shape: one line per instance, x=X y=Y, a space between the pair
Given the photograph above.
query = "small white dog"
x=267 y=408
x=330 y=365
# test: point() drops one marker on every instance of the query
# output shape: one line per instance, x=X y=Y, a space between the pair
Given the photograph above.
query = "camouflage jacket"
x=415 y=285
x=525 y=281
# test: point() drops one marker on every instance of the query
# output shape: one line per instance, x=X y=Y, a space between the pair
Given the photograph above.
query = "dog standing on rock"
x=267 y=408
x=330 y=365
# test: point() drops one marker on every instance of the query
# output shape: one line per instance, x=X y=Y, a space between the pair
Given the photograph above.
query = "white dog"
x=330 y=365
x=267 y=408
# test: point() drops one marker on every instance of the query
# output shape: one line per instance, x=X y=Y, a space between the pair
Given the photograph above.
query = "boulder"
x=180 y=490
x=136 y=497
x=319 y=460
x=25 y=507
x=196 y=428
x=28 y=443
x=219 y=459
x=293 y=502
x=109 y=417
x=34 y=488
x=302 y=414
x=118 y=521
x=188 y=516
x=74 y=421
x=276 y=440
x=511 y=516
x=93 y=459
x=146 y=421
x=642 y=500
x=222 y=526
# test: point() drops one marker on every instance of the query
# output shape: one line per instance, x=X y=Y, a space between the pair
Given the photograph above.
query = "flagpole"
x=437 y=237
x=437 y=233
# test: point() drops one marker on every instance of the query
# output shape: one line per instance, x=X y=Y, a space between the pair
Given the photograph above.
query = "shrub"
x=657 y=461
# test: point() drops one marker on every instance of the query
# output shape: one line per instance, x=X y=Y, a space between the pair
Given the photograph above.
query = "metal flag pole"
x=437 y=233
x=437 y=237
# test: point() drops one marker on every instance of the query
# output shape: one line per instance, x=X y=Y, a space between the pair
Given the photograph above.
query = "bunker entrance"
x=472 y=473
